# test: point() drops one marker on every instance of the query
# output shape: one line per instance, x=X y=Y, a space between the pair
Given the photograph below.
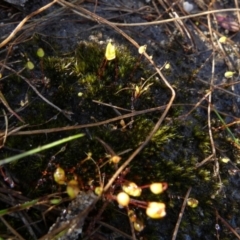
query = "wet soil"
x=177 y=150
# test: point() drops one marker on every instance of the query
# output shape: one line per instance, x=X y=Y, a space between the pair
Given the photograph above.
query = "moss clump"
x=171 y=155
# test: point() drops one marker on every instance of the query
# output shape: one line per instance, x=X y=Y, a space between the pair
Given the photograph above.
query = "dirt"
x=183 y=142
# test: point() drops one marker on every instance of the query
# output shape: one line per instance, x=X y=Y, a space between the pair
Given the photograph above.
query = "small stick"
x=181 y=214
x=227 y=225
x=20 y=25
x=115 y=230
x=211 y=157
x=66 y=114
x=6 y=128
x=95 y=124
x=112 y=106
x=216 y=163
x=5 y=103
x=11 y=229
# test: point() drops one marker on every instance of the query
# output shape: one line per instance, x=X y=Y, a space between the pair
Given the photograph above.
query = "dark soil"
x=72 y=74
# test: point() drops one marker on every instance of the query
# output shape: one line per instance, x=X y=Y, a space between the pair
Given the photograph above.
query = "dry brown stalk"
x=227 y=225
x=11 y=229
x=65 y=113
x=181 y=214
x=20 y=25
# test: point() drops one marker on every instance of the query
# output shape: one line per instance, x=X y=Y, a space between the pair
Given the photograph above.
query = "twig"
x=20 y=25
x=113 y=107
x=220 y=88
x=204 y=161
x=12 y=229
x=216 y=163
x=179 y=23
x=60 y=129
x=90 y=230
x=227 y=225
x=6 y=128
x=181 y=214
x=17 y=131
x=227 y=128
x=132 y=229
x=115 y=230
x=38 y=93
x=5 y=103
x=238 y=14
x=176 y=18
x=197 y=104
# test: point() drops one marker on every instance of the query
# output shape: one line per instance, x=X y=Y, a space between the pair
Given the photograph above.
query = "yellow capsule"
x=59 y=176
x=138 y=225
x=30 y=65
x=156 y=210
x=98 y=190
x=228 y=74
x=132 y=216
x=225 y=159
x=158 y=188
x=123 y=199
x=40 y=52
x=72 y=188
x=110 y=53
x=142 y=49
x=137 y=92
x=222 y=39
x=167 y=66
x=122 y=123
x=132 y=189
x=192 y=202
x=115 y=159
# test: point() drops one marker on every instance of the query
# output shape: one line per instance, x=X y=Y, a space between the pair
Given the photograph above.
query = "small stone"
x=188 y=7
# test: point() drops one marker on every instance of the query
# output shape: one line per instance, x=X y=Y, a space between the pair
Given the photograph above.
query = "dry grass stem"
x=181 y=214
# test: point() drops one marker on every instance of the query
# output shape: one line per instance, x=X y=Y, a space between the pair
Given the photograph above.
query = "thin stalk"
x=229 y=131
x=39 y=149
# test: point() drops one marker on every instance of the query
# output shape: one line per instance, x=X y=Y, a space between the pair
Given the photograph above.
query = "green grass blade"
x=18 y=207
x=227 y=128
x=39 y=149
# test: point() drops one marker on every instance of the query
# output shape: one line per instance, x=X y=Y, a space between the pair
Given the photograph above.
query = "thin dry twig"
x=5 y=103
x=180 y=24
x=221 y=88
x=216 y=164
x=6 y=129
x=205 y=161
x=181 y=214
x=11 y=229
x=68 y=128
x=132 y=229
x=238 y=14
x=112 y=106
x=20 y=25
x=196 y=105
x=65 y=113
x=174 y=19
x=116 y=230
x=227 y=225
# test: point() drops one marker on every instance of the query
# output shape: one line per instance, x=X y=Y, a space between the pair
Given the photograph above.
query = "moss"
x=171 y=155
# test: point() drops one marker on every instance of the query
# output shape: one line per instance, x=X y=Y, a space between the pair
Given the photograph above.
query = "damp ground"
x=197 y=145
